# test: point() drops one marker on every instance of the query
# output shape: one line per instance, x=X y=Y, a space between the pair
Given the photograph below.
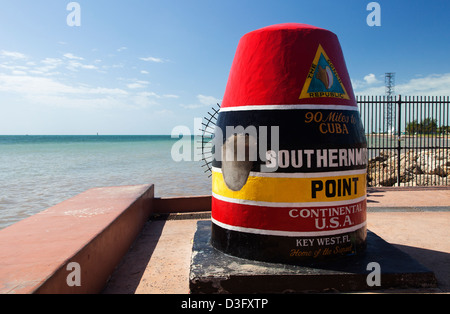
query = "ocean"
x=37 y=172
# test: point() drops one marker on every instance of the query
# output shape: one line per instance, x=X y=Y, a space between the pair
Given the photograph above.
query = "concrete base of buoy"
x=215 y=272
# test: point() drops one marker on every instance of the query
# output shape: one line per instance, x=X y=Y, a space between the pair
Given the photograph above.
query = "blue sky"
x=144 y=67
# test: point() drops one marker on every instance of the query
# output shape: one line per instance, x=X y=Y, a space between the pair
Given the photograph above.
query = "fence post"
x=399 y=143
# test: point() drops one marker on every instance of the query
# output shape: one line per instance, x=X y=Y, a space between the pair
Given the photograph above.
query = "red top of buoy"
x=289 y=64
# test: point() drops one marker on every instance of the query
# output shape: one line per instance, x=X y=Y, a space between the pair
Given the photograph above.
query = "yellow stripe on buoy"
x=295 y=189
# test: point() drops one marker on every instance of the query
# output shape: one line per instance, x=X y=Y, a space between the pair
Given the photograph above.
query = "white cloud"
x=371 y=79
x=7 y=66
x=72 y=57
x=368 y=82
x=135 y=85
x=138 y=84
x=45 y=83
x=74 y=63
x=380 y=90
x=49 y=64
x=74 y=66
x=113 y=66
x=148 y=99
x=144 y=72
x=104 y=91
x=31 y=85
x=52 y=61
x=170 y=96
x=208 y=100
x=152 y=59
x=431 y=85
x=164 y=112
x=122 y=49
x=50 y=92
x=204 y=101
x=145 y=99
x=149 y=94
x=12 y=54
x=155 y=95
x=16 y=72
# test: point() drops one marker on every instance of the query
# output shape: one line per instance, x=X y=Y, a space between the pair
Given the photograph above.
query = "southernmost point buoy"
x=289 y=174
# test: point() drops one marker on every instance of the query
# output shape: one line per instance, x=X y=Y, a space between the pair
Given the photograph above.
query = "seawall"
x=85 y=236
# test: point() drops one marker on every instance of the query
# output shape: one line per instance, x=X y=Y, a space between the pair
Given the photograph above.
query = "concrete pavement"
x=415 y=220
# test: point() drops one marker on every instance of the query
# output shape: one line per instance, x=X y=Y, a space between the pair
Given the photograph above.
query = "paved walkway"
x=402 y=199
x=417 y=221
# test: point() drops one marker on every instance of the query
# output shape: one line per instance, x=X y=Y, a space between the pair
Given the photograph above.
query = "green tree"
x=413 y=127
x=445 y=129
x=429 y=126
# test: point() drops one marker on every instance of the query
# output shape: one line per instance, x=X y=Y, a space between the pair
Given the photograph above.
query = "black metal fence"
x=408 y=139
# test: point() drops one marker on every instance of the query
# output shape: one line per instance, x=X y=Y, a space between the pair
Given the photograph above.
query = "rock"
x=421 y=168
x=428 y=179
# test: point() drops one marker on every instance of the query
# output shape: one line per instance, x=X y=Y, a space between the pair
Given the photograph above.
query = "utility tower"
x=389 y=80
